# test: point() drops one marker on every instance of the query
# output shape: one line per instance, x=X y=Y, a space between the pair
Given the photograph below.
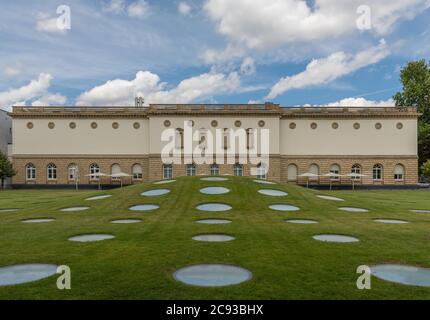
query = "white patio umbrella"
x=97 y=175
x=120 y=175
x=332 y=175
x=308 y=175
x=354 y=176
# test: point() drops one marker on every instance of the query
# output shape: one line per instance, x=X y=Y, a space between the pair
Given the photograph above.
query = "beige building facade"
x=69 y=145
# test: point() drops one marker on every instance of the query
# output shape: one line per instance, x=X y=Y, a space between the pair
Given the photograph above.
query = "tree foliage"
x=415 y=78
x=6 y=168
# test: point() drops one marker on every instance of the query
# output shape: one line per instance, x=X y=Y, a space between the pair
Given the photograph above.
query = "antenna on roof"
x=139 y=102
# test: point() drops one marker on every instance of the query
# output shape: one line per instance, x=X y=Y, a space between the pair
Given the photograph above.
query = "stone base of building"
x=279 y=169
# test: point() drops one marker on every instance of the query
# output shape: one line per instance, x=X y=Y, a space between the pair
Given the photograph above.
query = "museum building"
x=62 y=146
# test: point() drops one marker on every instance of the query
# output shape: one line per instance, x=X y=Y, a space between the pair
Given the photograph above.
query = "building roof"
x=267 y=109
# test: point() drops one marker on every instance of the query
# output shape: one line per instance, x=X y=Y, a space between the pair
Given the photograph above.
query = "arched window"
x=191 y=170
x=94 y=171
x=214 y=170
x=115 y=169
x=292 y=172
x=261 y=171
x=137 y=172
x=72 y=170
x=52 y=171
x=335 y=170
x=238 y=170
x=315 y=170
x=30 y=172
x=399 y=172
x=377 y=172
x=226 y=136
x=167 y=171
x=356 y=169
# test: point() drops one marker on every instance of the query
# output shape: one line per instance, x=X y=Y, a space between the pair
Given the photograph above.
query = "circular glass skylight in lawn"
x=165 y=182
x=214 y=190
x=214 y=207
x=420 y=211
x=335 y=238
x=91 y=237
x=264 y=182
x=213 y=238
x=73 y=209
x=212 y=275
x=301 y=221
x=155 y=193
x=99 y=197
x=126 y=221
x=8 y=210
x=41 y=220
x=330 y=198
x=394 y=221
x=24 y=273
x=214 y=179
x=283 y=207
x=273 y=193
x=144 y=207
x=407 y=275
x=214 y=221
x=350 y=209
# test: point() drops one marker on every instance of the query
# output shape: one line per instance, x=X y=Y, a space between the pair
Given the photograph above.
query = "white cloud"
x=12 y=71
x=36 y=89
x=49 y=25
x=122 y=92
x=326 y=70
x=264 y=23
x=248 y=66
x=115 y=6
x=361 y=102
x=212 y=56
x=50 y=99
x=184 y=8
x=138 y=9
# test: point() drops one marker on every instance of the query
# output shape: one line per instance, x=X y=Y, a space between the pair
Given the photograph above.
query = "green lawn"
x=285 y=261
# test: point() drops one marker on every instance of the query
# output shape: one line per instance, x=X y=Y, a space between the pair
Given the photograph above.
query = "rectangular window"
x=191 y=170
x=167 y=172
x=398 y=177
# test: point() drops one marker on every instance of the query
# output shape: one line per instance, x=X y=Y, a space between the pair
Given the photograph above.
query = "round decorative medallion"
x=261 y=123
x=94 y=125
x=72 y=125
x=399 y=126
x=378 y=126
x=167 y=123
x=115 y=125
x=238 y=123
x=30 y=125
x=136 y=125
x=51 y=125
x=356 y=126
x=214 y=123
x=292 y=125
x=314 y=125
x=335 y=125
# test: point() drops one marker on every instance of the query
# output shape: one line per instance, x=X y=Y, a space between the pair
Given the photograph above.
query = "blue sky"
x=290 y=52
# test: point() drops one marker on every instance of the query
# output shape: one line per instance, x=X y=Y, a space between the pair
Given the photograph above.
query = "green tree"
x=6 y=169
x=415 y=78
x=425 y=168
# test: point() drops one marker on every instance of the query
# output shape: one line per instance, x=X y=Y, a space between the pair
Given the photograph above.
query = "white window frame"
x=261 y=172
x=167 y=171
x=238 y=170
x=214 y=170
x=377 y=172
x=72 y=172
x=137 y=176
x=191 y=170
x=51 y=172
x=30 y=172
x=94 y=169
